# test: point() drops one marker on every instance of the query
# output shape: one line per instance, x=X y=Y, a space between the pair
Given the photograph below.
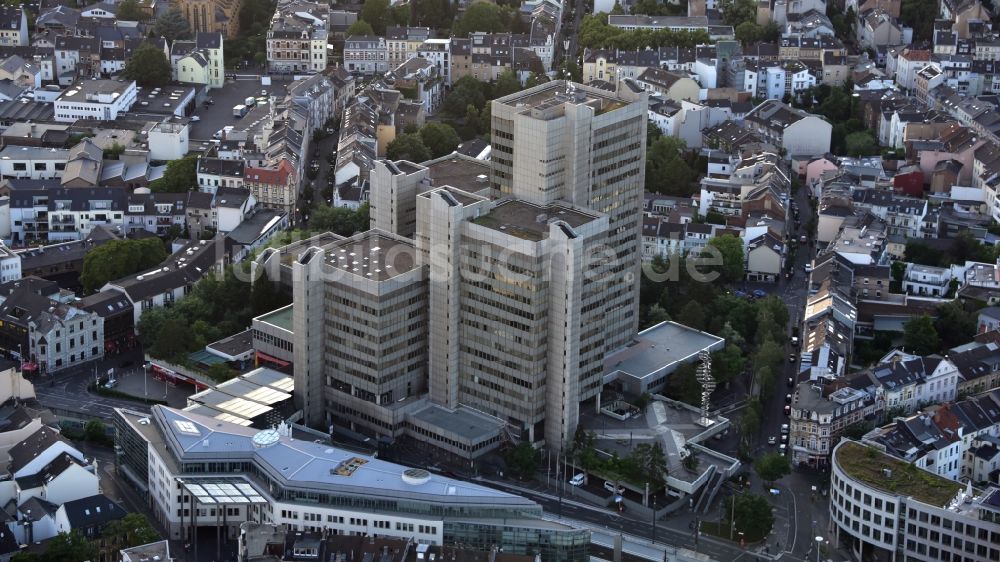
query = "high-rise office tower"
x=586 y=146
x=527 y=267
x=360 y=320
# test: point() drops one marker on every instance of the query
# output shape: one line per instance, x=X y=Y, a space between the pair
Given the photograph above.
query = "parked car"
x=788 y=410
x=195 y=118
x=111 y=383
x=610 y=486
x=782 y=448
x=577 y=480
x=788 y=399
x=784 y=439
x=759 y=293
x=771 y=440
x=791 y=382
x=791 y=358
x=807 y=268
x=784 y=429
x=740 y=294
x=795 y=341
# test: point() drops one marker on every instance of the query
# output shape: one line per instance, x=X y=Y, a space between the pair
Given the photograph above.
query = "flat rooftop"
x=462 y=172
x=470 y=425
x=373 y=256
x=544 y=101
x=530 y=221
x=281 y=318
x=866 y=464
x=657 y=347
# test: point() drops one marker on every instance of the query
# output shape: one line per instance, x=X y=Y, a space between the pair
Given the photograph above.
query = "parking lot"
x=216 y=116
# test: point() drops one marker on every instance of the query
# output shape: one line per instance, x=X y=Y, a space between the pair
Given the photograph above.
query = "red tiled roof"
x=272 y=176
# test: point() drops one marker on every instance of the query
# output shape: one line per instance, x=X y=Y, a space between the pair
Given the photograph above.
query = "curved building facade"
x=884 y=507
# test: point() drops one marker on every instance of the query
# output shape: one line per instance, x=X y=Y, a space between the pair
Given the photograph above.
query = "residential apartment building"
x=820 y=412
x=13 y=26
x=402 y=43
x=773 y=80
x=275 y=186
x=297 y=38
x=47 y=332
x=366 y=54
x=200 y=61
x=796 y=132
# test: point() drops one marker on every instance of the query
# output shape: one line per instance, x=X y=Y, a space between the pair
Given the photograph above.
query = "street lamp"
x=819 y=542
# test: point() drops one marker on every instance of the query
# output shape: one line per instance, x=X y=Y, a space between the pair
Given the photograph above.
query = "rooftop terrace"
x=866 y=465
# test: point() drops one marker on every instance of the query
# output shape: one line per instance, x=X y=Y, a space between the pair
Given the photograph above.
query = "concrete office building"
x=524 y=277
x=188 y=466
x=361 y=312
x=586 y=146
x=516 y=326
x=885 y=508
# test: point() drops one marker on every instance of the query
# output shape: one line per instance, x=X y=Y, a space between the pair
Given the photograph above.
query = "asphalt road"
x=67 y=390
x=605 y=518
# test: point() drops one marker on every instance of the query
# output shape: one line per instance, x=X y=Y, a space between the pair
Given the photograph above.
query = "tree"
x=400 y=14
x=435 y=14
x=727 y=363
x=731 y=249
x=861 y=143
x=650 y=464
x=898 y=272
x=692 y=315
x=954 y=324
x=466 y=91
x=655 y=315
x=132 y=530
x=735 y=12
x=95 y=430
x=440 y=138
x=522 y=460
x=221 y=372
x=753 y=516
x=339 y=220
x=507 y=83
x=768 y=356
x=771 y=466
x=483 y=16
x=172 y=25
x=666 y=170
x=359 y=27
x=748 y=32
x=117 y=258
x=683 y=385
x=535 y=79
x=919 y=15
x=149 y=67
x=408 y=146
x=69 y=547
x=376 y=13
x=129 y=10
x=920 y=337
x=749 y=424
x=179 y=177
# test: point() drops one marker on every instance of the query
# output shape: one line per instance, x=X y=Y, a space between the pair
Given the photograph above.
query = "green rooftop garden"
x=866 y=465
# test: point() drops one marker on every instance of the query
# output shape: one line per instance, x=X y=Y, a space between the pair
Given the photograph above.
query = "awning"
x=270 y=359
